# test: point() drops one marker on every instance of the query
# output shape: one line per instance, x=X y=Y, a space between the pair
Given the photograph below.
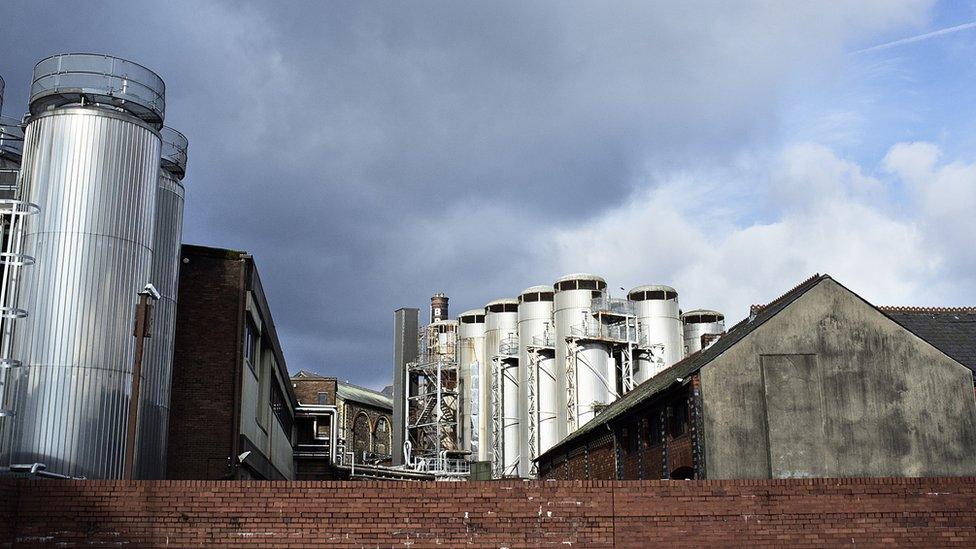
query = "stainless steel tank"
x=471 y=360
x=501 y=349
x=584 y=370
x=659 y=329
x=537 y=379
x=158 y=366
x=698 y=323
x=91 y=162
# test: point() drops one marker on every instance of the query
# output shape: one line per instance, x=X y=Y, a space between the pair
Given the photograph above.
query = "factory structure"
x=92 y=212
x=502 y=384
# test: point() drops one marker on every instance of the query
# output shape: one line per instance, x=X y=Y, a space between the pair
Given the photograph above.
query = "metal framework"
x=612 y=322
x=505 y=369
x=432 y=411
x=13 y=217
x=542 y=346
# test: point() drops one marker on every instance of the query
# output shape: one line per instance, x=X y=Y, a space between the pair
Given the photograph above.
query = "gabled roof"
x=952 y=330
x=362 y=395
x=680 y=373
x=305 y=374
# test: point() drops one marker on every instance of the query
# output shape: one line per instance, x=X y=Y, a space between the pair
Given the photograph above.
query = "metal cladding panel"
x=693 y=332
x=534 y=319
x=498 y=326
x=158 y=365
x=659 y=322
x=406 y=323
x=94 y=174
x=571 y=308
x=471 y=360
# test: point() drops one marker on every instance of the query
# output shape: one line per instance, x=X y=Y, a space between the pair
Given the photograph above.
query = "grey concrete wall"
x=830 y=387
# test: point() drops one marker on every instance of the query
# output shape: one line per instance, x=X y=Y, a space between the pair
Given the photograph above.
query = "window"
x=382 y=437
x=279 y=407
x=679 y=418
x=250 y=343
x=323 y=398
x=654 y=434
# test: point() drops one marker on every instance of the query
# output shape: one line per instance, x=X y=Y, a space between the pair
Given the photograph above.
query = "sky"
x=370 y=154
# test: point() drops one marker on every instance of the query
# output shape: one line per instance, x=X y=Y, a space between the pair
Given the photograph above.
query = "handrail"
x=77 y=78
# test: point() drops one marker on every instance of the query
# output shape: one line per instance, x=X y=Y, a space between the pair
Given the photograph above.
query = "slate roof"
x=950 y=330
x=362 y=395
x=355 y=393
x=680 y=373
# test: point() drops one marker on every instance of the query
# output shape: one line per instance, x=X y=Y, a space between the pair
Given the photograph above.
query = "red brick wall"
x=811 y=513
x=201 y=426
x=8 y=510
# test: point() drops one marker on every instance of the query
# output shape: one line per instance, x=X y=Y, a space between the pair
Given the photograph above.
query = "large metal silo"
x=501 y=348
x=471 y=361
x=584 y=369
x=698 y=323
x=659 y=329
x=158 y=367
x=537 y=378
x=91 y=162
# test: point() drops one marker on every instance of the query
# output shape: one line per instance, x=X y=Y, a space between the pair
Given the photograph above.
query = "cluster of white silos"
x=538 y=367
x=100 y=187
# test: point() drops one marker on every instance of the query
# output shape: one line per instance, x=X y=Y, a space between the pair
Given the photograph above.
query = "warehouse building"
x=232 y=406
x=818 y=383
x=364 y=417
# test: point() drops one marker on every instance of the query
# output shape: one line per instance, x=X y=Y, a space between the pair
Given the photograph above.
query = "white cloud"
x=830 y=216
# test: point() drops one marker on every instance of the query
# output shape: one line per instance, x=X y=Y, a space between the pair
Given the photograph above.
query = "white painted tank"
x=659 y=329
x=698 y=323
x=594 y=377
x=471 y=360
x=535 y=331
x=501 y=333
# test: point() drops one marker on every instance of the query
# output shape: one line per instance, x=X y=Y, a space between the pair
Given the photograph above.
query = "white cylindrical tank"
x=659 y=329
x=594 y=378
x=535 y=331
x=501 y=335
x=91 y=162
x=698 y=323
x=471 y=360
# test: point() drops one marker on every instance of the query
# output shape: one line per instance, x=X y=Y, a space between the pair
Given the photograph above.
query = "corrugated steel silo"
x=584 y=370
x=698 y=323
x=471 y=361
x=501 y=348
x=158 y=366
x=537 y=378
x=659 y=329
x=91 y=162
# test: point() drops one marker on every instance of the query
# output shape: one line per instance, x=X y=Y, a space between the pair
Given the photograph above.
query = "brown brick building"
x=232 y=407
x=818 y=383
x=365 y=417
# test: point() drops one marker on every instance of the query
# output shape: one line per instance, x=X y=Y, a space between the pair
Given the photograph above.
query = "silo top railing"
x=174 y=151
x=102 y=79
x=11 y=139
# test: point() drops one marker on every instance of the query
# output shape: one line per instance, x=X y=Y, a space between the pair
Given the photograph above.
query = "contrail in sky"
x=919 y=38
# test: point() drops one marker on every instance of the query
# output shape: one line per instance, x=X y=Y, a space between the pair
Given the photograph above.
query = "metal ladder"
x=13 y=218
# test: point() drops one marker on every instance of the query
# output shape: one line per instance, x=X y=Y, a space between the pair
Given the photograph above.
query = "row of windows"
x=672 y=419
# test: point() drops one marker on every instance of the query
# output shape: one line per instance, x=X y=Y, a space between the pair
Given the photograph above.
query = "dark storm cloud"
x=369 y=155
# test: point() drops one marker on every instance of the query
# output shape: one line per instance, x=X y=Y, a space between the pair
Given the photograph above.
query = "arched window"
x=382 y=437
x=361 y=436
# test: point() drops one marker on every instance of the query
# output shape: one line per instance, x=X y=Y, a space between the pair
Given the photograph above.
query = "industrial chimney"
x=438 y=308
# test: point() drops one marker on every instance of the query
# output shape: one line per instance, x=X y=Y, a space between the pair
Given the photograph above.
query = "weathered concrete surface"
x=832 y=387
